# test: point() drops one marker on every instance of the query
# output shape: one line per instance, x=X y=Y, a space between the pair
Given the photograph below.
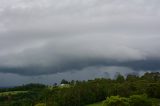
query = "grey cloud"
x=49 y=36
x=86 y=73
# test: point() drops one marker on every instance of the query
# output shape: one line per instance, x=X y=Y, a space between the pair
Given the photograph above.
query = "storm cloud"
x=40 y=37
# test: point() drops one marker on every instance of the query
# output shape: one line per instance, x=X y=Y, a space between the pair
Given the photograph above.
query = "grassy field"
x=11 y=93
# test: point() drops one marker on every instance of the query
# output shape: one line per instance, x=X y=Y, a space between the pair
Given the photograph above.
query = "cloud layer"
x=40 y=37
x=8 y=79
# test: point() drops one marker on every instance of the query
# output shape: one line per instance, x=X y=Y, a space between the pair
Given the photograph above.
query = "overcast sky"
x=48 y=40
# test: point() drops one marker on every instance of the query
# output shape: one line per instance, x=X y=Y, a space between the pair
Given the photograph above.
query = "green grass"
x=12 y=93
x=96 y=104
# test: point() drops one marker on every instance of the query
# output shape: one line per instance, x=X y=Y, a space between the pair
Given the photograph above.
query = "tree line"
x=81 y=93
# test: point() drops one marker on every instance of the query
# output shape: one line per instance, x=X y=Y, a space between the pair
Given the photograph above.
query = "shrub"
x=139 y=100
x=116 y=101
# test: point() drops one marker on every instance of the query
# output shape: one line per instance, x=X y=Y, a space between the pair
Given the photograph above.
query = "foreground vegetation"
x=134 y=100
x=130 y=91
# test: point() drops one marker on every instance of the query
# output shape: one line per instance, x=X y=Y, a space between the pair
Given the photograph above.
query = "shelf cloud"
x=41 y=37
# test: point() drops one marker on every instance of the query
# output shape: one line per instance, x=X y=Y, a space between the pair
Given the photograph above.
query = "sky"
x=45 y=41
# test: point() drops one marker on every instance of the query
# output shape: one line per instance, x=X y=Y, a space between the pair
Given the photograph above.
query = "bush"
x=116 y=101
x=134 y=100
x=139 y=100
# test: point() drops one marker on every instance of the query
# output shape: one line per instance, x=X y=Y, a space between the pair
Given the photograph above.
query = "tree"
x=132 y=77
x=64 y=81
x=139 y=100
x=153 y=76
x=116 y=101
x=120 y=78
x=153 y=90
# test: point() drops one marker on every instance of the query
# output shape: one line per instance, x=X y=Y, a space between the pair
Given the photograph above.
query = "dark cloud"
x=145 y=65
x=83 y=74
x=40 y=37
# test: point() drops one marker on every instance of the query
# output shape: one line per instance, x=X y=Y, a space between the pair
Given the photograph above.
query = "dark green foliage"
x=120 y=78
x=132 y=78
x=64 y=81
x=152 y=77
x=139 y=100
x=153 y=90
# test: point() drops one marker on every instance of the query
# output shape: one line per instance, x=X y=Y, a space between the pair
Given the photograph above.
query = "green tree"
x=120 y=78
x=153 y=90
x=132 y=78
x=116 y=101
x=139 y=100
x=64 y=81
